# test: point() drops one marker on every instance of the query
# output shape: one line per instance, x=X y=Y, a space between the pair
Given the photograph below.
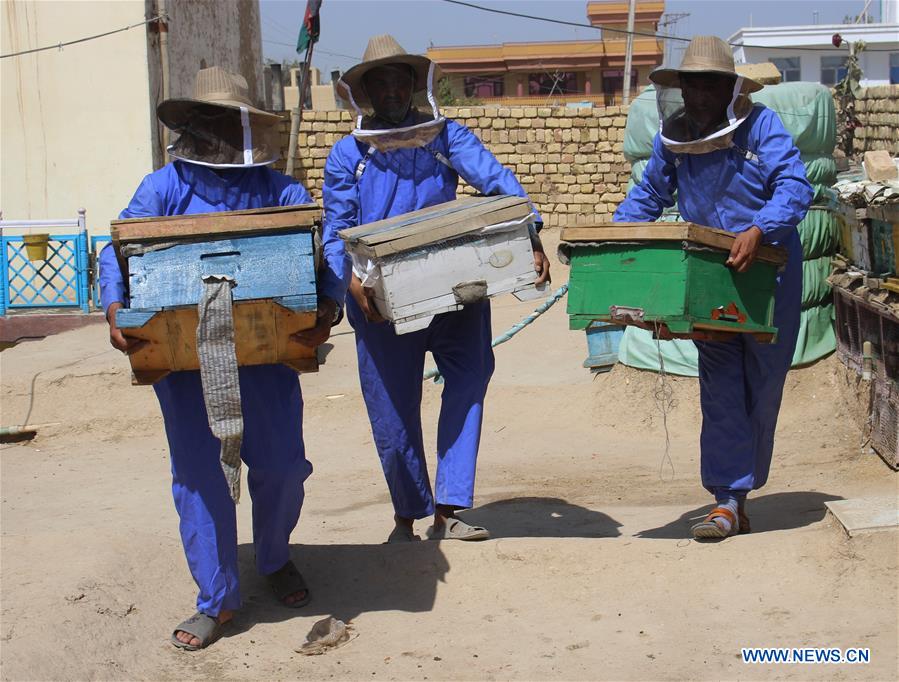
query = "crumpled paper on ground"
x=328 y=633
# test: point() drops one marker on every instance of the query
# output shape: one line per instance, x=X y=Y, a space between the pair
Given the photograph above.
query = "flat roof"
x=824 y=31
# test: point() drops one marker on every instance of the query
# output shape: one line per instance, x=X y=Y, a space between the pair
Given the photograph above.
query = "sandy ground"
x=590 y=574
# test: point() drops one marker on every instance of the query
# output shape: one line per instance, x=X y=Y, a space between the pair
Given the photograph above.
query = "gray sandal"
x=286 y=581
x=205 y=628
x=457 y=529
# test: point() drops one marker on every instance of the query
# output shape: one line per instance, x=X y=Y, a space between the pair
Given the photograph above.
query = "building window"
x=560 y=83
x=833 y=70
x=894 y=68
x=613 y=85
x=483 y=86
x=788 y=67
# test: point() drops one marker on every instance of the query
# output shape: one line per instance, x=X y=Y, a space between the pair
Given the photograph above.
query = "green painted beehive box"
x=669 y=275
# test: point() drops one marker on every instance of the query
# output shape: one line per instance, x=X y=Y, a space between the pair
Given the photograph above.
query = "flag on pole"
x=310 y=29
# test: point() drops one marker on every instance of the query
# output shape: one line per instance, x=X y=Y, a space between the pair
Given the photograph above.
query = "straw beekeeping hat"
x=218 y=87
x=704 y=54
x=382 y=50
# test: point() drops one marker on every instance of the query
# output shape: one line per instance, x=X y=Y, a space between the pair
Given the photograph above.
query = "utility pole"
x=629 y=53
x=670 y=19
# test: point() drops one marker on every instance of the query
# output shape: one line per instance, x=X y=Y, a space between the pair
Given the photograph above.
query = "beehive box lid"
x=689 y=232
x=214 y=225
x=435 y=224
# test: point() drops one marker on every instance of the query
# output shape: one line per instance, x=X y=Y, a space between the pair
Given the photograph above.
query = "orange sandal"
x=708 y=528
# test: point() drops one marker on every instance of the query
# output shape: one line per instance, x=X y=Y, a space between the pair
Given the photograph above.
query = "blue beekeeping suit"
x=362 y=186
x=759 y=180
x=272 y=402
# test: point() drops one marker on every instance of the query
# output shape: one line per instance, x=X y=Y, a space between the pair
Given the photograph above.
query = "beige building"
x=78 y=123
x=558 y=72
x=322 y=94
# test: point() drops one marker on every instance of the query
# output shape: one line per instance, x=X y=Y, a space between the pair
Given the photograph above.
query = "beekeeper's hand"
x=365 y=299
x=541 y=261
x=745 y=248
x=119 y=341
x=325 y=319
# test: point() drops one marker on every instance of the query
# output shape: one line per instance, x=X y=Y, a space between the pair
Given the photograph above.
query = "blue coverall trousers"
x=277 y=467
x=390 y=371
x=741 y=384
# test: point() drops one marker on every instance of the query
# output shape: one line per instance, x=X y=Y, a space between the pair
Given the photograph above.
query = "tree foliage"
x=848 y=92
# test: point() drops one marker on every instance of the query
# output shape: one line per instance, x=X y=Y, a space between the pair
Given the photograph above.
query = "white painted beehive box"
x=440 y=258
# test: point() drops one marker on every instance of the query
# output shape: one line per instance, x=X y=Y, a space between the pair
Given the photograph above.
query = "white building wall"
x=75 y=122
x=875 y=65
x=774 y=42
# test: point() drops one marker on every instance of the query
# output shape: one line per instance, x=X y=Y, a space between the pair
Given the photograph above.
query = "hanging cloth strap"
x=218 y=373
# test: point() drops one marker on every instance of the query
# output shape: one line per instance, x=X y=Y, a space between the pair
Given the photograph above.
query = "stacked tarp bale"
x=807 y=112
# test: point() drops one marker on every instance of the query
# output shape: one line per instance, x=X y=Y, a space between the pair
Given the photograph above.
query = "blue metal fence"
x=97 y=244
x=59 y=281
x=59 y=278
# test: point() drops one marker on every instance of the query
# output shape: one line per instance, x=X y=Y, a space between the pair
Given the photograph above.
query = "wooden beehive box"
x=884 y=239
x=440 y=258
x=668 y=275
x=270 y=252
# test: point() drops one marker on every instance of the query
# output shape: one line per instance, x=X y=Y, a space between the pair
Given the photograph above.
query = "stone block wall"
x=568 y=159
x=878 y=111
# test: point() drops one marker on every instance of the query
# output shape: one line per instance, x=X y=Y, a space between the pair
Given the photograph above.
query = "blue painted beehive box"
x=271 y=255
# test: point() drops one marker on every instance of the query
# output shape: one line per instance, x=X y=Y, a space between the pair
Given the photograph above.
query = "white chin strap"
x=247 y=137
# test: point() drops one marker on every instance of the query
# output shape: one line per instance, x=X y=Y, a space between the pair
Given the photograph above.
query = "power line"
x=59 y=46
x=317 y=51
x=658 y=36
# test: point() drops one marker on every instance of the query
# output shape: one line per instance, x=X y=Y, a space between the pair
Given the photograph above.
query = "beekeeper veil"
x=704 y=101
x=219 y=127
x=387 y=123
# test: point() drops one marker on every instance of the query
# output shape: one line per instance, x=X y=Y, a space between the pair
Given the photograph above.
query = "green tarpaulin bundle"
x=815 y=289
x=806 y=110
x=819 y=232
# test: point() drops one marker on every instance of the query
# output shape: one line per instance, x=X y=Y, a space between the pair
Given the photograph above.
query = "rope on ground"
x=663 y=395
x=434 y=373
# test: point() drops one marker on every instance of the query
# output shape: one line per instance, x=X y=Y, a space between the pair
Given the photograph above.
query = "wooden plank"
x=271 y=219
x=457 y=206
x=707 y=236
x=460 y=220
x=353 y=234
x=262 y=332
x=888 y=213
x=267 y=266
x=434 y=224
x=891 y=284
x=444 y=234
x=451 y=215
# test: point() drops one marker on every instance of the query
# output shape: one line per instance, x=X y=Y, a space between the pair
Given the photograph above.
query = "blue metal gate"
x=61 y=280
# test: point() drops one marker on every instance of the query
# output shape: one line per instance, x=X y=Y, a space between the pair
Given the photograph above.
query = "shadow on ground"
x=346 y=581
x=541 y=517
x=777 y=511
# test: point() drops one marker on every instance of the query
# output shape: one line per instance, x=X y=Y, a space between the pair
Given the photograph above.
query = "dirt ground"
x=590 y=574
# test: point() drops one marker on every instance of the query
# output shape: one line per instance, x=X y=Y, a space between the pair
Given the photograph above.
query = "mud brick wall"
x=878 y=112
x=569 y=159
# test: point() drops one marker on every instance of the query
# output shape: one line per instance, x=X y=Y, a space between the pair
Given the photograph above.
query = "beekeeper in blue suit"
x=221 y=160
x=734 y=167
x=401 y=158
